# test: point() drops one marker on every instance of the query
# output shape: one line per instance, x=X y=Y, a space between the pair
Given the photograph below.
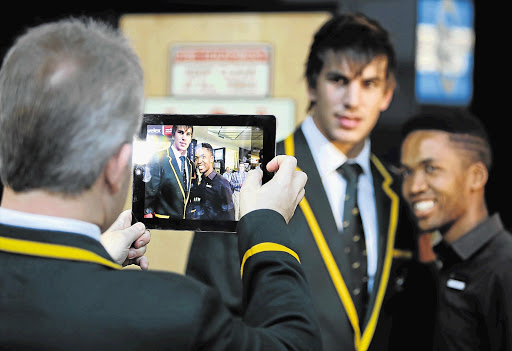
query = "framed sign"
x=220 y=70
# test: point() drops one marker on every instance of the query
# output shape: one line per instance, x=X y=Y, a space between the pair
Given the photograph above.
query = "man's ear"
x=312 y=94
x=479 y=175
x=388 y=96
x=115 y=170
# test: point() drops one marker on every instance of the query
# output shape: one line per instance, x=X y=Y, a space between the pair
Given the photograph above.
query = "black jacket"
x=165 y=194
x=61 y=291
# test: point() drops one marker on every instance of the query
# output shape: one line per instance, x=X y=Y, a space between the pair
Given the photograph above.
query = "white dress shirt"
x=177 y=155
x=42 y=222
x=328 y=159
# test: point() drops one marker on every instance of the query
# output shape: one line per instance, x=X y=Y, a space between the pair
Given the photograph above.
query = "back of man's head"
x=469 y=131
x=71 y=94
x=355 y=36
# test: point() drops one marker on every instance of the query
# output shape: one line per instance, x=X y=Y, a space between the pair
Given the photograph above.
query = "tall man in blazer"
x=59 y=288
x=350 y=75
x=168 y=187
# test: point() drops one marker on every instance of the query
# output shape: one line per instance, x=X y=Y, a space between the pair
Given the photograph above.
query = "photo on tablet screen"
x=188 y=169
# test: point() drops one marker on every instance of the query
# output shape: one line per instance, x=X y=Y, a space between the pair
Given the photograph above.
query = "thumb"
x=133 y=232
x=253 y=178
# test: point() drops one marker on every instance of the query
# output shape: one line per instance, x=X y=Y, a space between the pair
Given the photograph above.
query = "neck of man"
x=348 y=149
x=81 y=207
x=472 y=218
x=208 y=172
x=182 y=153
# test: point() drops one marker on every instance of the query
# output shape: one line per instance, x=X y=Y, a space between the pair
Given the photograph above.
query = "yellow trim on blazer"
x=162 y=216
x=360 y=343
x=33 y=248
x=263 y=247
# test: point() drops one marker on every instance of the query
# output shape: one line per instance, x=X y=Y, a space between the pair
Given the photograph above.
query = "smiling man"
x=168 y=187
x=211 y=197
x=446 y=157
x=358 y=261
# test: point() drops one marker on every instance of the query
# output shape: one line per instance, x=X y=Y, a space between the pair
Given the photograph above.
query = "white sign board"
x=220 y=70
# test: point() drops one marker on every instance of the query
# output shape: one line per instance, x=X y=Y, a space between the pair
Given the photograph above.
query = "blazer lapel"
x=175 y=171
x=315 y=192
x=387 y=213
x=189 y=178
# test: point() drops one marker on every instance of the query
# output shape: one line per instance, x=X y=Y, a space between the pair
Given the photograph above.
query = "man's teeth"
x=424 y=205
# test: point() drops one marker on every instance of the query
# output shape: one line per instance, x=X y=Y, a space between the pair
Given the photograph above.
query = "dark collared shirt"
x=475 y=290
x=211 y=199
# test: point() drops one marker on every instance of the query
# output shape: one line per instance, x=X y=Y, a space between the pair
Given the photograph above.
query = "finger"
x=274 y=164
x=299 y=180
x=133 y=232
x=300 y=196
x=123 y=220
x=143 y=263
x=284 y=166
x=134 y=253
x=253 y=178
x=142 y=240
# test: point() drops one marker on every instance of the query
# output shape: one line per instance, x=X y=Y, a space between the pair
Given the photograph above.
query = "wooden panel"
x=152 y=36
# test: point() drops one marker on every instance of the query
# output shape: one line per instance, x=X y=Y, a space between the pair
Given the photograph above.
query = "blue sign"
x=444 y=52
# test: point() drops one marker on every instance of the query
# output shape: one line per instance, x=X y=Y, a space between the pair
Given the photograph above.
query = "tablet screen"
x=188 y=169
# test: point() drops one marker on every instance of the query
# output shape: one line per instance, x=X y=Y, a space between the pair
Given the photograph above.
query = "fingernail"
x=140 y=226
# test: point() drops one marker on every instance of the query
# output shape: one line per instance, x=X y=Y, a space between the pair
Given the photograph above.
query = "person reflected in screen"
x=211 y=197
x=228 y=173
x=168 y=188
x=236 y=182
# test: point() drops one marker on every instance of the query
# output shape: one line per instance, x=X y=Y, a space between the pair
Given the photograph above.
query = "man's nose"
x=351 y=96
x=417 y=183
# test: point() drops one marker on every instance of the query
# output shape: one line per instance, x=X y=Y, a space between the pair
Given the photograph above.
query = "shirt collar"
x=327 y=157
x=42 y=222
x=471 y=242
x=212 y=175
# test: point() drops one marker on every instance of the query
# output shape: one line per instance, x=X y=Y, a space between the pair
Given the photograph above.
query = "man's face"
x=348 y=102
x=182 y=138
x=435 y=180
x=204 y=160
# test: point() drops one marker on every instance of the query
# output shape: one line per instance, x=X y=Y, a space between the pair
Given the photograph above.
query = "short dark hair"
x=207 y=146
x=175 y=128
x=471 y=133
x=352 y=34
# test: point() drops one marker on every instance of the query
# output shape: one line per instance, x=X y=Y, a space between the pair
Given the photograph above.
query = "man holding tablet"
x=60 y=289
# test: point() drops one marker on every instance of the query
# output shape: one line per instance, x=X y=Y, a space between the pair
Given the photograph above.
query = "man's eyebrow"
x=336 y=74
x=422 y=162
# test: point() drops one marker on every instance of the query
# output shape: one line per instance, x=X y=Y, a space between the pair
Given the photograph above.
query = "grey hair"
x=71 y=94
